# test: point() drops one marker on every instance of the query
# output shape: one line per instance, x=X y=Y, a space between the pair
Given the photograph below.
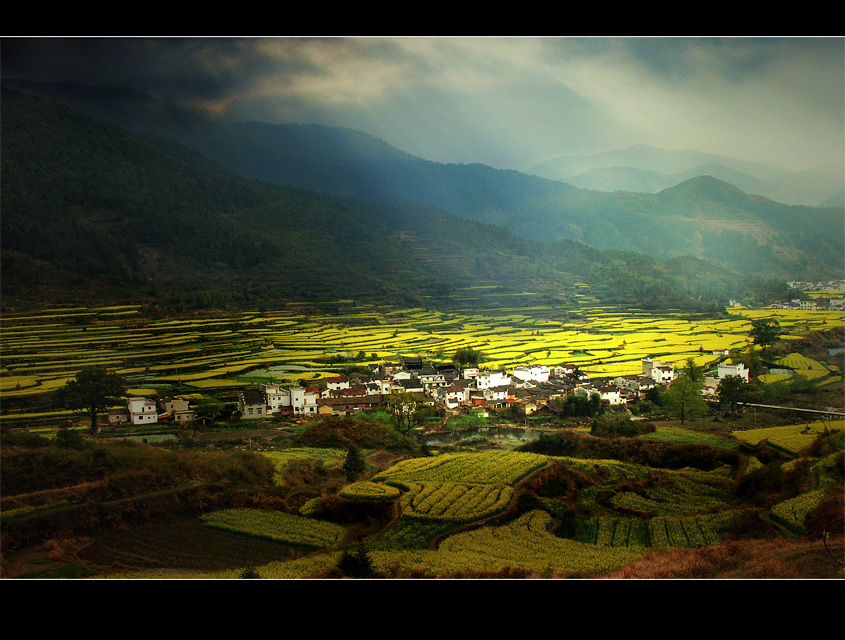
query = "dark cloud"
x=505 y=101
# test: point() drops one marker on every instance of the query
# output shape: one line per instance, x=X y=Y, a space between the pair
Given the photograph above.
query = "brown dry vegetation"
x=761 y=559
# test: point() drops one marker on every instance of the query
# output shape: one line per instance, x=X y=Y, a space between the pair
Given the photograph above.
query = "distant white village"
x=440 y=385
x=818 y=304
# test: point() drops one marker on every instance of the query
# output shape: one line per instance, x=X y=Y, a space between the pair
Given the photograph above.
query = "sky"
x=508 y=102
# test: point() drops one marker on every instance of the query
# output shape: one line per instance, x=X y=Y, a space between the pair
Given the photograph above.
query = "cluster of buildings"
x=440 y=385
x=822 y=304
x=142 y=411
x=819 y=304
x=445 y=386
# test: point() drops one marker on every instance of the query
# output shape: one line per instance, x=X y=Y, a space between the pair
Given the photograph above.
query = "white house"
x=659 y=372
x=337 y=382
x=496 y=396
x=452 y=396
x=252 y=405
x=142 y=410
x=737 y=369
x=637 y=384
x=489 y=379
x=275 y=397
x=431 y=378
x=536 y=373
x=303 y=401
x=611 y=394
x=380 y=386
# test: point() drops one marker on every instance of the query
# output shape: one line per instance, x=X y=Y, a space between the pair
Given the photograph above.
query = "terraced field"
x=687 y=509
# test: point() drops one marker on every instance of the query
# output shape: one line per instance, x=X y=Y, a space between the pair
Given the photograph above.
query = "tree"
x=405 y=409
x=356 y=565
x=750 y=358
x=578 y=405
x=694 y=372
x=93 y=391
x=209 y=407
x=353 y=465
x=683 y=398
x=765 y=332
x=731 y=390
x=467 y=356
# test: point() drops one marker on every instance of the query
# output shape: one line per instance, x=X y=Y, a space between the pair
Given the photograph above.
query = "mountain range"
x=113 y=183
x=647 y=169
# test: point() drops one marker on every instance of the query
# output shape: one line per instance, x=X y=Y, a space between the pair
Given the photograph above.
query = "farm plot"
x=459 y=487
x=276 y=526
x=687 y=508
x=791 y=438
x=679 y=435
x=42 y=351
x=329 y=457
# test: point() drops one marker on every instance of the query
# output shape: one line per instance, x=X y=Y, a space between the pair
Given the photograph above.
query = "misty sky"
x=508 y=102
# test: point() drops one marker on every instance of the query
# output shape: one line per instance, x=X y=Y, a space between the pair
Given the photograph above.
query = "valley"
x=338 y=360
x=564 y=499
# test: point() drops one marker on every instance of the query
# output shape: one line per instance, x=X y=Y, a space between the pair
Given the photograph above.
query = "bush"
x=356 y=565
x=620 y=427
x=339 y=433
x=249 y=573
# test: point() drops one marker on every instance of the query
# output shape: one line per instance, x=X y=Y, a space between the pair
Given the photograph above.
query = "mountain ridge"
x=354 y=164
x=92 y=212
x=648 y=169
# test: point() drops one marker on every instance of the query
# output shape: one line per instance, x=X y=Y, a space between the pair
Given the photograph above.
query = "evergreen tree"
x=353 y=465
x=467 y=357
x=356 y=565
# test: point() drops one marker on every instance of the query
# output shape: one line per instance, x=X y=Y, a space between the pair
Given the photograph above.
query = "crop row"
x=527 y=543
x=453 y=501
x=276 y=526
x=612 y=532
x=791 y=438
x=489 y=467
x=689 y=531
x=157 y=353
x=328 y=457
x=792 y=512
x=369 y=491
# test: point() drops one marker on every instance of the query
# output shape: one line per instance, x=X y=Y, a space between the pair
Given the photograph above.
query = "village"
x=445 y=387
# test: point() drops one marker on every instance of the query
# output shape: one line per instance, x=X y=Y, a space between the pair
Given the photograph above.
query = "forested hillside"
x=92 y=210
x=703 y=217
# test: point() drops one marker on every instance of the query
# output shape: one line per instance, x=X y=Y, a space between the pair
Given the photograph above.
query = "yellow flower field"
x=41 y=351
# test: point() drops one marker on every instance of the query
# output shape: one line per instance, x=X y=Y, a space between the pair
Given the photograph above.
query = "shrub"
x=620 y=427
x=356 y=565
x=339 y=433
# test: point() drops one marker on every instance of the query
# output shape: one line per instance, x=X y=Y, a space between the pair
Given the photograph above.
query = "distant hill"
x=349 y=163
x=746 y=234
x=646 y=169
x=649 y=158
x=92 y=212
